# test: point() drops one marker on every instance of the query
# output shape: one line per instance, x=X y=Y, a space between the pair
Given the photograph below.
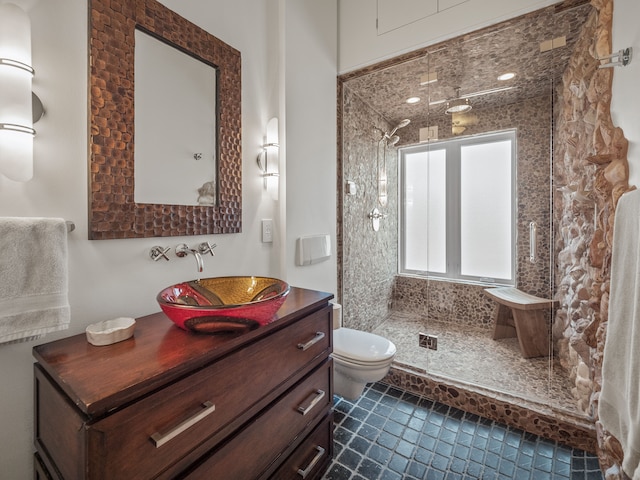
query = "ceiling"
x=472 y=63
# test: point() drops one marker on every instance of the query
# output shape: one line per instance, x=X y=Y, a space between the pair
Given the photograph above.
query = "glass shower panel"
x=415 y=229
x=502 y=133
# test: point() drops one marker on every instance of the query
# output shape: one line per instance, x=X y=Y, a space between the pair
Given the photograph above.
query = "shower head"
x=393 y=140
x=402 y=124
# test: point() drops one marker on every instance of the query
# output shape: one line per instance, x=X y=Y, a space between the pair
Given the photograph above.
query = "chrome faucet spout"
x=198 y=259
x=183 y=250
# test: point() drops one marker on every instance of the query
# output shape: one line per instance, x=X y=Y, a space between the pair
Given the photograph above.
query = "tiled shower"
x=375 y=298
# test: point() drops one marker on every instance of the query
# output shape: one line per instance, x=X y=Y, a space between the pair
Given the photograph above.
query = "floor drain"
x=428 y=341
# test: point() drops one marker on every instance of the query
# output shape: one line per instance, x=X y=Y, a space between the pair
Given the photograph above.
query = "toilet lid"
x=362 y=346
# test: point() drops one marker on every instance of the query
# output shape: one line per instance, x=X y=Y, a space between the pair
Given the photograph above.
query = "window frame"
x=453 y=205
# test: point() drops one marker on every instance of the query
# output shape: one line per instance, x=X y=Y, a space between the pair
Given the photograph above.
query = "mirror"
x=115 y=210
x=173 y=131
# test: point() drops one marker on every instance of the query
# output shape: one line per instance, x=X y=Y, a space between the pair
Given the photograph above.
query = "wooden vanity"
x=173 y=404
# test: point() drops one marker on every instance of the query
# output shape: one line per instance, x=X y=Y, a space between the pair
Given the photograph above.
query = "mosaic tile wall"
x=464 y=302
x=369 y=257
x=441 y=301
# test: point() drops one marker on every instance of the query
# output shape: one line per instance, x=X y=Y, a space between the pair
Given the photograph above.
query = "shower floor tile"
x=389 y=434
x=469 y=355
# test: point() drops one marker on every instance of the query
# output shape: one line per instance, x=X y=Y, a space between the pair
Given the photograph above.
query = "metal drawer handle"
x=159 y=439
x=304 y=346
x=317 y=396
x=316 y=459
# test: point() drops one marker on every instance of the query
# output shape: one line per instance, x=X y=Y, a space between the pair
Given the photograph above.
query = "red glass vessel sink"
x=223 y=304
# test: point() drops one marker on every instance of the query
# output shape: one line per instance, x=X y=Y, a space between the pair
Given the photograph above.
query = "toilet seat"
x=350 y=362
x=362 y=348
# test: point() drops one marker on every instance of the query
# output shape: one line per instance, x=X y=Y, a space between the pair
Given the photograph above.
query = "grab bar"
x=533 y=242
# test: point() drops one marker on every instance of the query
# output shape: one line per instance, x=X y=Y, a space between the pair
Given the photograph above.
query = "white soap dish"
x=111 y=331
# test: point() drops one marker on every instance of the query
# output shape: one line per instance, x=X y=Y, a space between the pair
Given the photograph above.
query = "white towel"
x=33 y=277
x=619 y=404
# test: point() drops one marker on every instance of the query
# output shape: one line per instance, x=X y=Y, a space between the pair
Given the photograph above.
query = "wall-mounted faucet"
x=183 y=250
x=375 y=217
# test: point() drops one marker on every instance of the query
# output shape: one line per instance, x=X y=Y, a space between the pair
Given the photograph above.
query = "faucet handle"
x=182 y=250
x=157 y=253
x=207 y=247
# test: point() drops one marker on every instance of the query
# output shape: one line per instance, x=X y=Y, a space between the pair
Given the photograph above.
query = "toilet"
x=358 y=358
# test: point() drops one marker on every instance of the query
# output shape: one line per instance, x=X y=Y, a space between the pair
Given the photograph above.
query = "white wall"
x=625 y=104
x=361 y=45
x=110 y=278
x=310 y=44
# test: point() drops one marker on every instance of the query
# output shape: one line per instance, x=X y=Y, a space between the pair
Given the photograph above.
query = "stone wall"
x=369 y=258
x=591 y=173
x=442 y=301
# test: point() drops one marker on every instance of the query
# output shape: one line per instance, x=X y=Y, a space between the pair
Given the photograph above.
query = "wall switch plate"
x=428 y=341
x=267 y=230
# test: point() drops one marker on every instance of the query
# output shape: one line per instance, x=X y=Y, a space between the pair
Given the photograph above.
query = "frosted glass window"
x=458 y=216
x=485 y=210
x=425 y=211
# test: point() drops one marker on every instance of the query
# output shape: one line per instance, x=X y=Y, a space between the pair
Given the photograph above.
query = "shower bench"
x=521 y=315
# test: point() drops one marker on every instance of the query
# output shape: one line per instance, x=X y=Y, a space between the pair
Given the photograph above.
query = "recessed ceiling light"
x=506 y=76
x=412 y=100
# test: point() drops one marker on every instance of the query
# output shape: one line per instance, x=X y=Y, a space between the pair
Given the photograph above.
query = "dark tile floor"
x=388 y=434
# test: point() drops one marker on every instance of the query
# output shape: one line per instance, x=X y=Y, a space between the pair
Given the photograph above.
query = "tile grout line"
x=376 y=439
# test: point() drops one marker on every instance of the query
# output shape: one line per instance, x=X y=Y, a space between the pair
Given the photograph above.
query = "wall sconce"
x=268 y=160
x=19 y=107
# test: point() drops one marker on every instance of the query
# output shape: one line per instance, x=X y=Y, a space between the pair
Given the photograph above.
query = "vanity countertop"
x=158 y=353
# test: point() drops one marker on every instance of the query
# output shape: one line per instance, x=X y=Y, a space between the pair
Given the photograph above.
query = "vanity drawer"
x=149 y=436
x=256 y=447
x=311 y=458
